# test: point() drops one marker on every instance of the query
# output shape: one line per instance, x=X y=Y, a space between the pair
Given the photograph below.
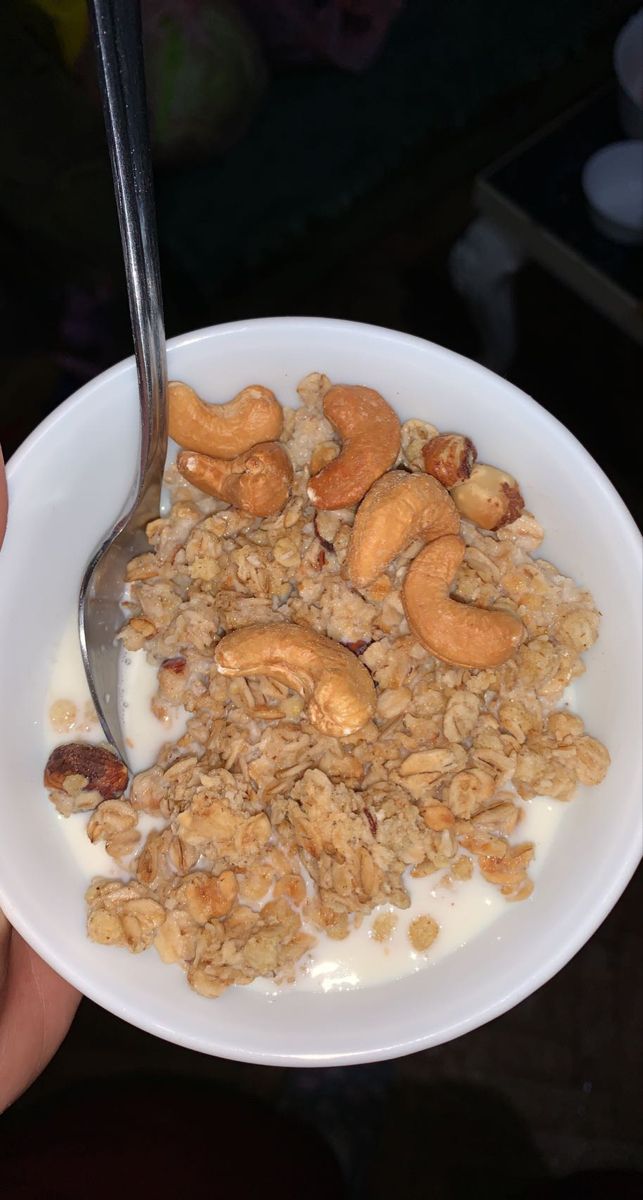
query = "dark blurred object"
x=628 y=66
x=205 y=74
x=536 y=194
x=473 y=1142
x=587 y=1185
x=168 y=1136
x=333 y=164
x=532 y=208
x=346 y=33
x=326 y=142
x=344 y=200
x=70 y=22
x=59 y=245
x=55 y=189
x=205 y=77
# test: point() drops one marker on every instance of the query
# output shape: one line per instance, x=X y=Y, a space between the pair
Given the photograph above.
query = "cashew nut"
x=449 y=457
x=398 y=508
x=370 y=433
x=337 y=687
x=489 y=497
x=456 y=633
x=223 y=430
x=257 y=482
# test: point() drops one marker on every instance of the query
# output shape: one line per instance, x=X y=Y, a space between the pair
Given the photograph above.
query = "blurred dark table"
x=535 y=194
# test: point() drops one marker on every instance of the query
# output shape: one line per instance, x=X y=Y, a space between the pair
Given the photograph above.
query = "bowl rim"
x=535 y=978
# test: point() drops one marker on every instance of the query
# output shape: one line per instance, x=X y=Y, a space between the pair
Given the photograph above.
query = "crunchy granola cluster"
x=270 y=829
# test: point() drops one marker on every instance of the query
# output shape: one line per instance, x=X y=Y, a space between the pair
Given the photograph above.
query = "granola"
x=270 y=831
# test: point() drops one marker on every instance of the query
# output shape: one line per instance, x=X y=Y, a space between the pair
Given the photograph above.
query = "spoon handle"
x=119 y=55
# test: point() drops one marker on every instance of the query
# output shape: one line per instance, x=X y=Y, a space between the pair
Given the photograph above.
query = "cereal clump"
x=268 y=831
x=422 y=933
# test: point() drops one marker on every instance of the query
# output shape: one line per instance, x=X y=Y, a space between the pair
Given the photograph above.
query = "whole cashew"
x=257 y=482
x=370 y=432
x=337 y=687
x=398 y=508
x=489 y=497
x=223 y=430
x=456 y=633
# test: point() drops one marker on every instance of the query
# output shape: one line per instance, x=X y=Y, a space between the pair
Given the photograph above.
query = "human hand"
x=36 y=1006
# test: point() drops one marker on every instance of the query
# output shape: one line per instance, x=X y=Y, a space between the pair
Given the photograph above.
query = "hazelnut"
x=449 y=457
x=104 y=772
x=489 y=497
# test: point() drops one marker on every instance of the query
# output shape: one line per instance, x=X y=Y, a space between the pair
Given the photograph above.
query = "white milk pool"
x=461 y=909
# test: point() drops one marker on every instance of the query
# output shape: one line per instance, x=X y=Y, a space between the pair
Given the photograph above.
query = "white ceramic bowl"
x=66 y=485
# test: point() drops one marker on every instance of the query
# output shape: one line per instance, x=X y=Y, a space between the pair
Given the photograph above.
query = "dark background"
x=331 y=175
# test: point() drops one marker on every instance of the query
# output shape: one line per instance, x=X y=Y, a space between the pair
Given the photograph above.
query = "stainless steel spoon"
x=118 y=39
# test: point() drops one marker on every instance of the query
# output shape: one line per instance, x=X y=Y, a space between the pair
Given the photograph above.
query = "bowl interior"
x=66 y=486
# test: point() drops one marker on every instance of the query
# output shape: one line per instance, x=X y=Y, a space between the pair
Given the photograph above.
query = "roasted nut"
x=223 y=430
x=398 y=508
x=370 y=433
x=460 y=634
x=489 y=497
x=174 y=666
x=256 y=482
x=357 y=647
x=337 y=688
x=103 y=771
x=449 y=457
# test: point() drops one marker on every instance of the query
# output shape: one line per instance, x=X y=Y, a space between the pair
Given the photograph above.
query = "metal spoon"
x=118 y=40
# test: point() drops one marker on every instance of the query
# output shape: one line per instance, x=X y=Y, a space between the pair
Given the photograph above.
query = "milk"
x=462 y=909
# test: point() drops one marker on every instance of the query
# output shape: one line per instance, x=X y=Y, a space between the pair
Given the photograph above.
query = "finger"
x=36 y=1012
